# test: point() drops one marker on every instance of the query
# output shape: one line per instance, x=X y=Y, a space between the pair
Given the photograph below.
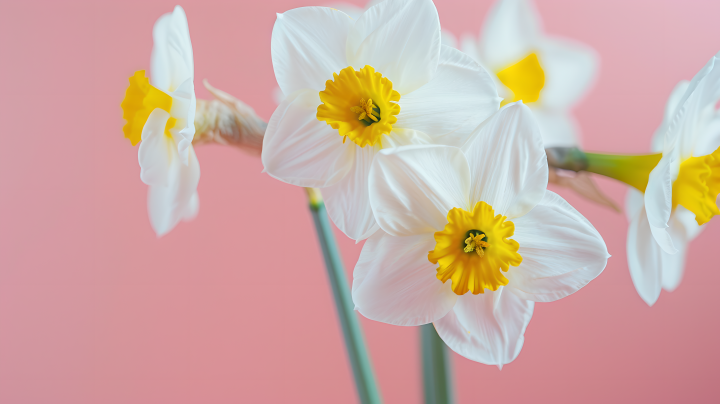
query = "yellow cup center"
x=525 y=79
x=360 y=104
x=141 y=99
x=698 y=185
x=474 y=249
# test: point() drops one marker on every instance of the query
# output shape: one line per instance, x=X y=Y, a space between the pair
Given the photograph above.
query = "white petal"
x=634 y=202
x=400 y=39
x=308 y=46
x=183 y=109
x=469 y=46
x=171 y=62
x=299 y=149
x=658 y=199
x=683 y=228
x=562 y=252
x=658 y=140
x=395 y=283
x=167 y=205
x=155 y=152
x=347 y=201
x=488 y=328
x=412 y=188
x=570 y=70
x=459 y=97
x=644 y=259
x=559 y=129
x=507 y=161
x=509 y=33
x=404 y=137
x=448 y=39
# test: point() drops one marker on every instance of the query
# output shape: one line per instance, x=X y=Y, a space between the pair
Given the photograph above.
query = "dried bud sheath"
x=228 y=121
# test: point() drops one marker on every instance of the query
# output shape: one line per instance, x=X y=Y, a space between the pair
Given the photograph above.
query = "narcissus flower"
x=548 y=73
x=680 y=186
x=160 y=116
x=355 y=87
x=471 y=239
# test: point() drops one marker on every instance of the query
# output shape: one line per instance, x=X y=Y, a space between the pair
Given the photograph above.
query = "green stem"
x=354 y=342
x=436 y=369
x=634 y=170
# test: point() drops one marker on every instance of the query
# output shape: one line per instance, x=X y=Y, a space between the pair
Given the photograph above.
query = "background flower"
x=550 y=74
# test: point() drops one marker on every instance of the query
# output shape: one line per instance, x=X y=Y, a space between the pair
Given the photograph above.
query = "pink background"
x=95 y=309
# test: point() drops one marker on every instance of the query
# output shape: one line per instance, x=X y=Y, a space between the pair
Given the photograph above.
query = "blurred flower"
x=477 y=219
x=682 y=189
x=162 y=115
x=355 y=87
x=547 y=73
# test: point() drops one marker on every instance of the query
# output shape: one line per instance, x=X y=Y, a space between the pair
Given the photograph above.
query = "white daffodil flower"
x=161 y=114
x=356 y=87
x=446 y=38
x=473 y=219
x=549 y=74
x=682 y=189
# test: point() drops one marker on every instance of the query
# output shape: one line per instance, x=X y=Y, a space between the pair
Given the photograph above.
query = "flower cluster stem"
x=436 y=368
x=354 y=342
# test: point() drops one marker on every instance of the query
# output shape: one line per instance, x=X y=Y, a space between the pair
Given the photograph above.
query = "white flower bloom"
x=356 y=87
x=549 y=74
x=477 y=219
x=162 y=115
x=446 y=38
x=682 y=189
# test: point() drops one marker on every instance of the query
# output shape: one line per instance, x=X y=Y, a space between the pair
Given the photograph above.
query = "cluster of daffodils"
x=160 y=115
x=406 y=140
x=417 y=153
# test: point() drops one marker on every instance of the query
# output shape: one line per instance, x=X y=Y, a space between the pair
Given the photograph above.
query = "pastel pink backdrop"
x=95 y=309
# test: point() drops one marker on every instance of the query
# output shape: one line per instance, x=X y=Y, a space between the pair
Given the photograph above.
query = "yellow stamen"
x=525 y=79
x=475 y=243
x=365 y=123
x=482 y=270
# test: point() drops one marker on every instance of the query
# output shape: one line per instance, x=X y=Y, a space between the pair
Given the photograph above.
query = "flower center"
x=525 y=79
x=141 y=99
x=698 y=185
x=476 y=241
x=362 y=123
x=493 y=252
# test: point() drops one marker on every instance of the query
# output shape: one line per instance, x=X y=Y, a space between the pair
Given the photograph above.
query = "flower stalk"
x=354 y=342
x=437 y=383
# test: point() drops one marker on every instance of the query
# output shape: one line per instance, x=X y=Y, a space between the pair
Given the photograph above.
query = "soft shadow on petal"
x=570 y=70
x=308 y=46
x=562 y=252
x=347 y=202
x=645 y=259
x=559 y=129
x=155 y=154
x=395 y=283
x=167 y=205
x=299 y=149
x=412 y=188
x=459 y=97
x=508 y=162
x=400 y=39
x=488 y=328
x=634 y=202
x=509 y=33
x=171 y=62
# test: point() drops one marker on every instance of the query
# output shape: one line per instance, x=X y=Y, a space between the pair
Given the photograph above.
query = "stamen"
x=365 y=110
x=475 y=243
